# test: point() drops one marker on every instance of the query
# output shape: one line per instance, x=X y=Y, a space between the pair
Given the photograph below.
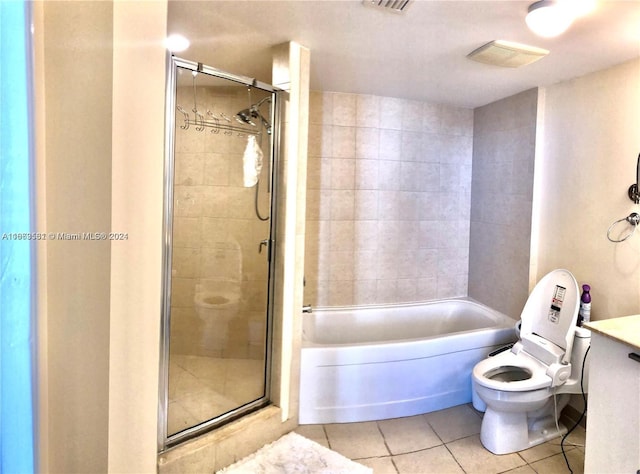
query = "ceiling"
x=419 y=54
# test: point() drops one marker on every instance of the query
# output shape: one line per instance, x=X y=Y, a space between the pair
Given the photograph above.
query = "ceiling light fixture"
x=176 y=43
x=580 y=7
x=549 y=18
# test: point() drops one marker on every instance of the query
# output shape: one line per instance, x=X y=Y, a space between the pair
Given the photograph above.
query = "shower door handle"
x=266 y=243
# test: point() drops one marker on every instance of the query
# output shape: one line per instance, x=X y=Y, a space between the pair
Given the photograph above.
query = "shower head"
x=247 y=115
x=244 y=116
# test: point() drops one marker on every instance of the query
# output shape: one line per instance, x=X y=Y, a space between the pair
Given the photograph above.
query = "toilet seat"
x=538 y=379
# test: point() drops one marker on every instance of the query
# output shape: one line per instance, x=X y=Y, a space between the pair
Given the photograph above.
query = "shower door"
x=219 y=229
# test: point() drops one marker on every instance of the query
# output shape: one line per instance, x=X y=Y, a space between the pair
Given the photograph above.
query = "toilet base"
x=504 y=433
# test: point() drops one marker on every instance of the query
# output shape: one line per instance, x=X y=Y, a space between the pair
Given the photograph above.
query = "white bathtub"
x=378 y=362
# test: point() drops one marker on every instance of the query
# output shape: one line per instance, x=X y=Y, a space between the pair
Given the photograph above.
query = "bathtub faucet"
x=307 y=309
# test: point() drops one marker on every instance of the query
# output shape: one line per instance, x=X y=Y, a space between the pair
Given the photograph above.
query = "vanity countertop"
x=625 y=329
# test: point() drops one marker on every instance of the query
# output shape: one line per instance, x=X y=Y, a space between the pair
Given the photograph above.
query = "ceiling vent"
x=507 y=54
x=396 y=6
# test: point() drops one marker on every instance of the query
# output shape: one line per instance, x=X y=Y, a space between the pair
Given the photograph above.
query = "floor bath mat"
x=295 y=454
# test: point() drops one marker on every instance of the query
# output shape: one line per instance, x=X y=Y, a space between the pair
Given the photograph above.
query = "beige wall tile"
x=390 y=144
x=399 y=174
x=367 y=174
x=344 y=109
x=391 y=110
x=342 y=204
x=320 y=108
x=366 y=205
x=367 y=143
x=343 y=142
x=320 y=140
x=368 y=111
x=343 y=174
x=412 y=115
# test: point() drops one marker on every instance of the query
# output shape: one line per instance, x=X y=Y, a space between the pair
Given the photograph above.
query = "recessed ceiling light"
x=176 y=43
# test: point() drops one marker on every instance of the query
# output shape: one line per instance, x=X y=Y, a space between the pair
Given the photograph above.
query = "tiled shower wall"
x=503 y=167
x=388 y=200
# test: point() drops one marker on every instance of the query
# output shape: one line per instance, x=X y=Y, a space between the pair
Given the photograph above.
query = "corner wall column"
x=136 y=263
x=291 y=73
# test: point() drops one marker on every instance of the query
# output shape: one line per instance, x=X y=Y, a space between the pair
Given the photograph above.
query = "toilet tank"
x=581 y=343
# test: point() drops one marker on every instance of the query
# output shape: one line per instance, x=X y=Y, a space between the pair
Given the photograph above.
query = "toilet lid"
x=551 y=311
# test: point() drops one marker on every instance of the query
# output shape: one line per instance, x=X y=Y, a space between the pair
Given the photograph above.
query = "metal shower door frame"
x=164 y=440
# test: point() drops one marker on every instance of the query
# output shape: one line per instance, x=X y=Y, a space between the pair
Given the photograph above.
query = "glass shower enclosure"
x=218 y=249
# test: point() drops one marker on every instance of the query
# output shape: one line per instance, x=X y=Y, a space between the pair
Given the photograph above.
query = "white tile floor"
x=446 y=441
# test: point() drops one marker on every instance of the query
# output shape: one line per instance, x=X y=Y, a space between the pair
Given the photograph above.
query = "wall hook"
x=634 y=189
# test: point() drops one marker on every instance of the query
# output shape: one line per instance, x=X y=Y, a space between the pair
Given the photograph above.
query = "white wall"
x=586 y=163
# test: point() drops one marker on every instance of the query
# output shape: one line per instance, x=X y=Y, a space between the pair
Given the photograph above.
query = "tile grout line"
x=454 y=458
x=445 y=444
x=386 y=445
x=326 y=436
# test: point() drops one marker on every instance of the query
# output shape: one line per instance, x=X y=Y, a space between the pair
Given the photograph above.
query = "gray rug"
x=295 y=454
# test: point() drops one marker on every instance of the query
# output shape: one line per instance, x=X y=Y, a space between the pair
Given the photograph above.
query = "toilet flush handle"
x=263 y=243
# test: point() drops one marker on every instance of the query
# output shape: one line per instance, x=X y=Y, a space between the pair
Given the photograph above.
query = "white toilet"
x=524 y=389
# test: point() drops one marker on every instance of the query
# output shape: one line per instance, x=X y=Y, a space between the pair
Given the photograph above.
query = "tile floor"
x=202 y=388
x=446 y=441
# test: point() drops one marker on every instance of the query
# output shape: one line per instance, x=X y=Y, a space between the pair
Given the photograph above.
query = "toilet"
x=523 y=389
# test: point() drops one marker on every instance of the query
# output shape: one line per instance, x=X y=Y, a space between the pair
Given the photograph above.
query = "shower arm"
x=255 y=110
x=265 y=124
x=261 y=102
